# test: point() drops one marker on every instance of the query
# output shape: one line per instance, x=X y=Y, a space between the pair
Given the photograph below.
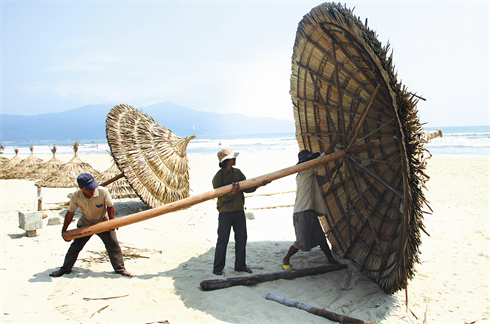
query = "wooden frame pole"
x=196 y=199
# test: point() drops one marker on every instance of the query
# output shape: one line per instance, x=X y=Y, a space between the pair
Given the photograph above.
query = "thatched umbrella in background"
x=66 y=176
x=151 y=157
x=45 y=169
x=119 y=188
x=343 y=84
x=29 y=164
x=9 y=165
x=3 y=159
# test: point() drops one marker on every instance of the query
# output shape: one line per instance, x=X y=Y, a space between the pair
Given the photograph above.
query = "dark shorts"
x=309 y=232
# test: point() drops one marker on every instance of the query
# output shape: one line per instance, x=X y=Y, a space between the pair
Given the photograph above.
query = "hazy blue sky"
x=227 y=56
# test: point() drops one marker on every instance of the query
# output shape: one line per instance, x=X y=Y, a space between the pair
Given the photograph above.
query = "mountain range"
x=88 y=123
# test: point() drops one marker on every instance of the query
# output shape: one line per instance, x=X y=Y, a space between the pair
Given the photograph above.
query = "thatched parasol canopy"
x=343 y=84
x=47 y=168
x=66 y=176
x=20 y=170
x=118 y=189
x=7 y=167
x=152 y=158
x=3 y=159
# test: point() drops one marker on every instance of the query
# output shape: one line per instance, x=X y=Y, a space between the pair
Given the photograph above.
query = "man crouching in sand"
x=96 y=206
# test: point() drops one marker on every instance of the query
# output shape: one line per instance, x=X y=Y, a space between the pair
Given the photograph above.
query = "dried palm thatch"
x=45 y=169
x=343 y=84
x=152 y=158
x=118 y=189
x=66 y=176
x=3 y=159
x=29 y=164
x=8 y=166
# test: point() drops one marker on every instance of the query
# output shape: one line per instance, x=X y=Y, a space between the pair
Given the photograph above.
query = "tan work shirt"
x=308 y=192
x=94 y=208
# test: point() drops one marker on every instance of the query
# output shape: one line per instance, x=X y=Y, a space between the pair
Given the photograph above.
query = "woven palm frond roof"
x=152 y=158
x=343 y=84
x=9 y=165
x=118 y=189
x=66 y=176
x=47 y=168
x=29 y=164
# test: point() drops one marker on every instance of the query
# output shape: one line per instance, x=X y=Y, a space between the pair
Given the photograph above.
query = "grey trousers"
x=111 y=244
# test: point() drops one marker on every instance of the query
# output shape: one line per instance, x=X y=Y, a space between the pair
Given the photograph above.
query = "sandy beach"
x=171 y=254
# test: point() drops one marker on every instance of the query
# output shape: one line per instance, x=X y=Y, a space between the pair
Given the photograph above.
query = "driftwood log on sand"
x=255 y=279
x=317 y=311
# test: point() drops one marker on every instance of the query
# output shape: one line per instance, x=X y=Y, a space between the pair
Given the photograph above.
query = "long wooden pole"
x=214 y=284
x=317 y=311
x=196 y=199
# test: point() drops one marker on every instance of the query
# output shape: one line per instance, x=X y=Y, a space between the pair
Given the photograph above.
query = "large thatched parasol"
x=9 y=165
x=151 y=157
x=119 y=188
x=20 y=170
x=66 y=176
x=343 y=84
x=47 y=168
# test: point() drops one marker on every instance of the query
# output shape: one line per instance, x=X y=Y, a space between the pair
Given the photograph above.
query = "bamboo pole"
x=107 y=182
x=196 y=199
x=214 y=284
x=317 y=311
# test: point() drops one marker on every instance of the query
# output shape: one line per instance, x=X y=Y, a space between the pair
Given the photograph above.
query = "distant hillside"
x=88 y=123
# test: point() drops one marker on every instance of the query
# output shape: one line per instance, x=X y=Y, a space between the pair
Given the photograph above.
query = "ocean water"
x=460 y=141
x=456 y=141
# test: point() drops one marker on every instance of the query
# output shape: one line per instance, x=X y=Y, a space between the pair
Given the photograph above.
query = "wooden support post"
x=107 y=182
x=39 y=198
x=317 y=311
x=255 y=279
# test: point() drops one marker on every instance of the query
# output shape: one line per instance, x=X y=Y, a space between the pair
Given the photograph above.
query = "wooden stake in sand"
x=317 y=311
x=196 y=199
x=255 y=279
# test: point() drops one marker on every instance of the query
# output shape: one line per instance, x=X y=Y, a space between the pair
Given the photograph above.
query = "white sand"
x=177 y=250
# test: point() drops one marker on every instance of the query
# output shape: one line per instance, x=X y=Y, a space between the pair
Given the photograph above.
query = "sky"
x=228 y=56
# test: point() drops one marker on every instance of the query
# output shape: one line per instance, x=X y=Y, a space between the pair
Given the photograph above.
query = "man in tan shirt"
x=96 y=206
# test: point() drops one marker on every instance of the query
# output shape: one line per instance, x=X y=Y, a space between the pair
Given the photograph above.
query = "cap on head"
x=225 y=154
x=86 y=180
x=306 y=155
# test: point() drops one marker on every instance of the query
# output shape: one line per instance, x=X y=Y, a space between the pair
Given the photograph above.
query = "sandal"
x=246 y=270
x=57 y=273
x=218 y=273
x=125 y=273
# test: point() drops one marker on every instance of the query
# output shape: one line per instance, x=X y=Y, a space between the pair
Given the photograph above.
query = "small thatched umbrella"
x=29 y=164
x=66 y=176
x=118 y=189
x=47 y=168
x=3 y=159
x=151 y=157
x=343 y=84
x=9 y=165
